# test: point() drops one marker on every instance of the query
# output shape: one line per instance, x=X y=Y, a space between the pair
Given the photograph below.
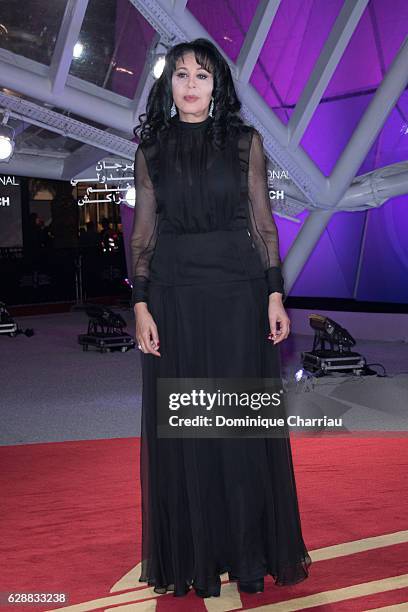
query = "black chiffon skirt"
x=212 y=505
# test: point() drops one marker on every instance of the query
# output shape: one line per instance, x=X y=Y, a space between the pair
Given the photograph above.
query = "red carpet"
x=70 y=522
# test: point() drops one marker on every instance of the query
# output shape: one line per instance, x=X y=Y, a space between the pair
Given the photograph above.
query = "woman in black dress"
x=207 y=295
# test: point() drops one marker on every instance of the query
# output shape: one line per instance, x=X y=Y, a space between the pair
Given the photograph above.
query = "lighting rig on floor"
x=337 y=357
x=105 y=330
x=8 y=326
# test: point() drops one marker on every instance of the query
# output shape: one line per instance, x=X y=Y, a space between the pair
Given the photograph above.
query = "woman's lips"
x=190 y=98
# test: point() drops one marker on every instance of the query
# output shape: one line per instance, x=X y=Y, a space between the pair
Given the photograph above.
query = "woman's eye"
x=182 y=74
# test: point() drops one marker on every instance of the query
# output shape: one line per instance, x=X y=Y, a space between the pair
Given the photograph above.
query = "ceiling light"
x=7 y=135
x=78 y=50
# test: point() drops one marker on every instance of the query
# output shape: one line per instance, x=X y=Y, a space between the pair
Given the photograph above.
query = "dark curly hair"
x=226 y=121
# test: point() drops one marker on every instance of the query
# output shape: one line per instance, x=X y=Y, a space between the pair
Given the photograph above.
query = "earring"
x=173 y=110
x=210 y=112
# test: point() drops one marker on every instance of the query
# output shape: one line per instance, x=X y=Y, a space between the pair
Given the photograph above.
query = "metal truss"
x=71 y=128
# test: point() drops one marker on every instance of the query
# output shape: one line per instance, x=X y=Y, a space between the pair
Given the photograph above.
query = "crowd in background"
x=40 y=237
x=54 y=254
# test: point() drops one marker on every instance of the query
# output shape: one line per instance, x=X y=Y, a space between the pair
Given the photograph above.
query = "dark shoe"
x=213 y=590
x=253 y=586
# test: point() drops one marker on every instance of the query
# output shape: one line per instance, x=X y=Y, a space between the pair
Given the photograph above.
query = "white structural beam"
x=367 y=191
x=141 y=98
x=324 y=68
x=301 y=168
x=179 y=6
x=80 y=160
x=255 y=38
x=33 y=166
x=384 y=100
x=145 y=82
x=85 y=157
x=161 y=16
x=372 y=189
x=64 y=47
x=18 y=73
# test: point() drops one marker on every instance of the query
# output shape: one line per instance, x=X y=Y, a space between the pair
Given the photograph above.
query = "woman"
x=207 y=289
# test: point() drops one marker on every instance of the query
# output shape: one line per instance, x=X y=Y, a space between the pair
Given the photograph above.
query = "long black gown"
x=205 y=257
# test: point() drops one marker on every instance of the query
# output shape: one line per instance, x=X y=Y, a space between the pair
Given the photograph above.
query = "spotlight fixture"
x=9 y=326
x=338 y=358
x=7 y=136
x=105 y=330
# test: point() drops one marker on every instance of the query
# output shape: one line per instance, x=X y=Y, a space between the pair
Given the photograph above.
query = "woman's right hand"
x=146 y=329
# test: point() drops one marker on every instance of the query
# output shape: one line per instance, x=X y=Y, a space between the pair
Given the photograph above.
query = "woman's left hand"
x=277 y=314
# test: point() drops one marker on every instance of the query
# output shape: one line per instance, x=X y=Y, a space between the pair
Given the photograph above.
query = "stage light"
x=7 y=144
x=338 y=358
x=9 y=326
x=105 y=330
x=331 y=332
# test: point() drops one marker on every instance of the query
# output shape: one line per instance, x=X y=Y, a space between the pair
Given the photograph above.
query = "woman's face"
x=192 y=88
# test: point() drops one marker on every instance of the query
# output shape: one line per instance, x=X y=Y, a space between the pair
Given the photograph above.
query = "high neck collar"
x=189 y=125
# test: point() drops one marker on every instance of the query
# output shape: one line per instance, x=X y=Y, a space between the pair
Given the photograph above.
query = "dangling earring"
x=210 y=112
x=173 y=110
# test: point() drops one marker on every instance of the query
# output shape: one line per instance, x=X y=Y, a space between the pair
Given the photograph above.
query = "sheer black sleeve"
x=261 y=222
x=144 y=232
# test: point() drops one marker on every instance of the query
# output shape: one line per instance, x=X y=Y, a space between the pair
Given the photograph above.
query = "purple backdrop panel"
x=333 y=125
x=390 y=20
x=359 y=68
x=331 y=268
x=331 y=128
x=384 y=270
x=226 y=22
x=391 y=145
x=291 y=49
